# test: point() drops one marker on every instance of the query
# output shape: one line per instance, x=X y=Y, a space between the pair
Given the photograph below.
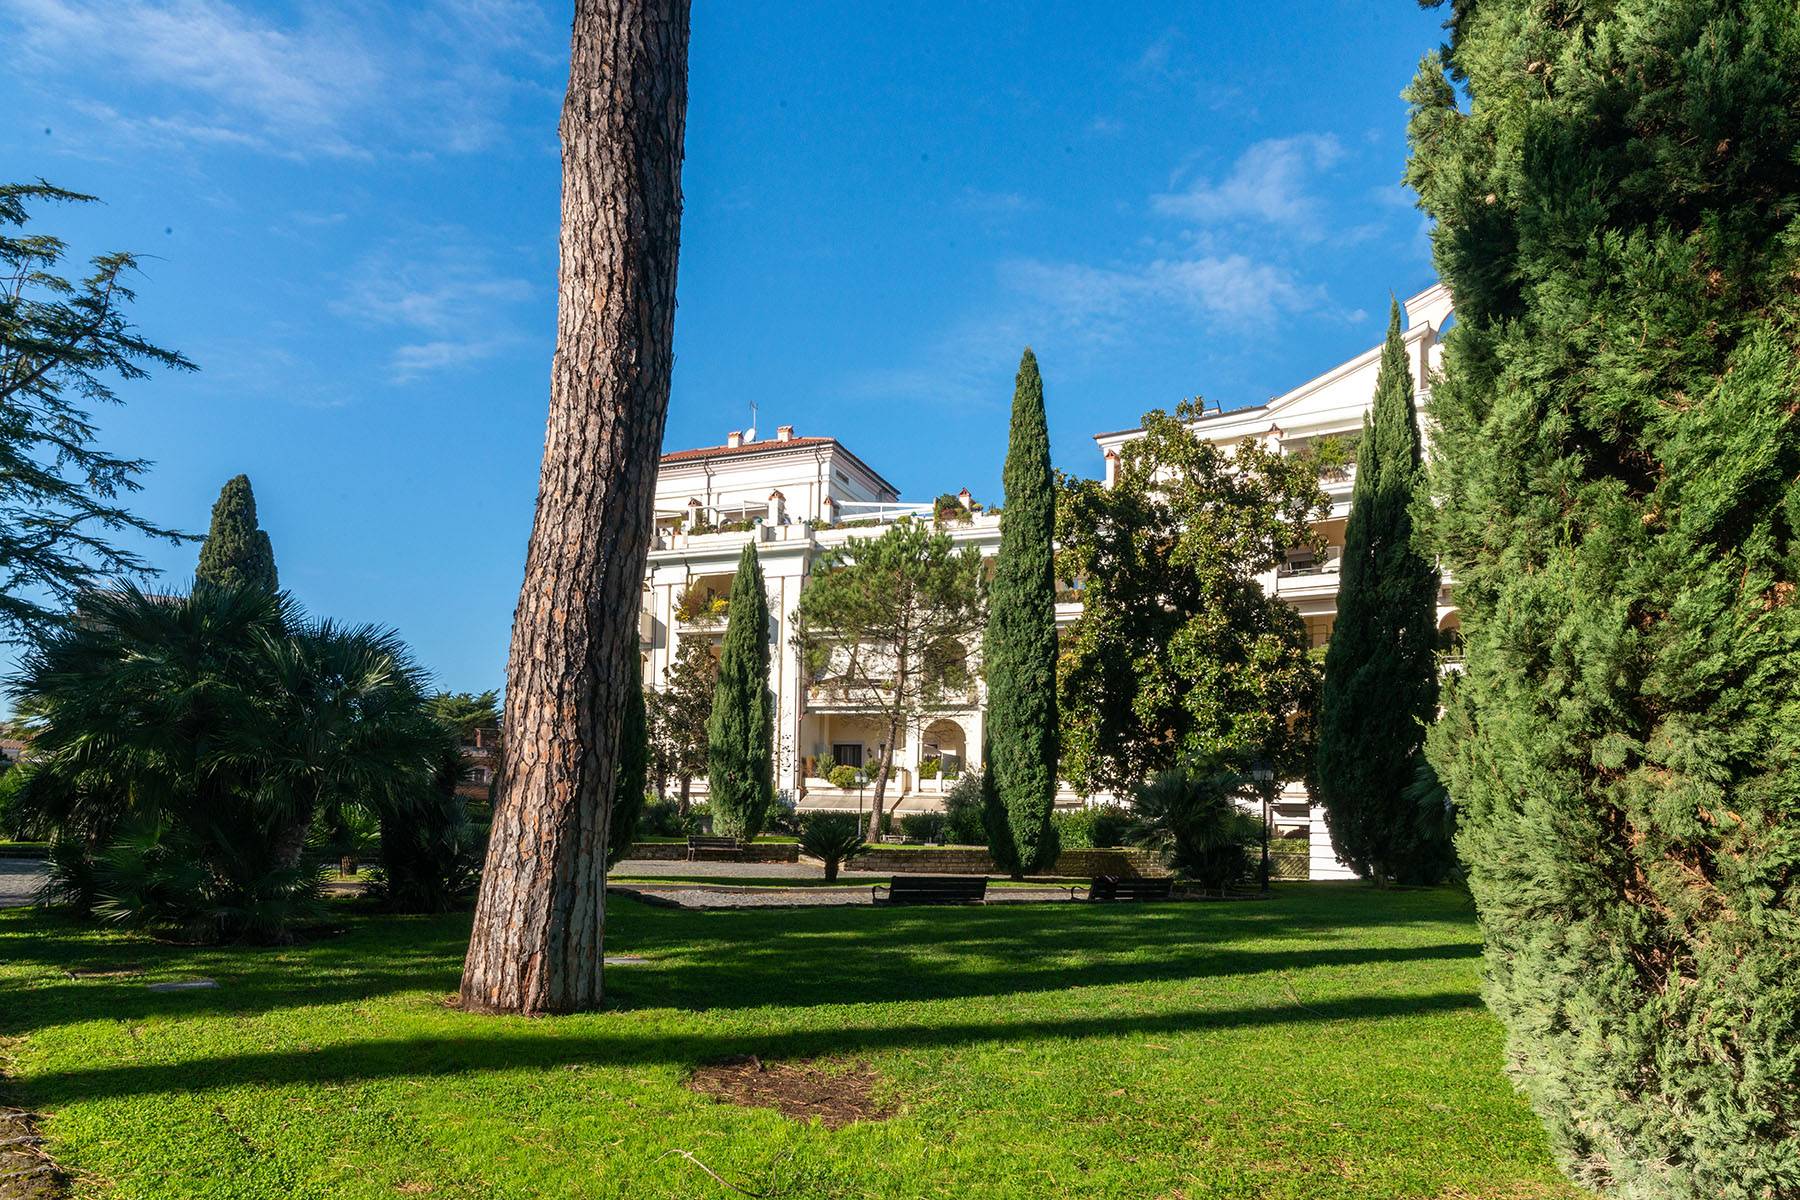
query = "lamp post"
x=1263 y=771
x=862 y=783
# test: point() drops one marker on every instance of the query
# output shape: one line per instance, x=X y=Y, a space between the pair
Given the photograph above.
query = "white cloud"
x=1270 y=182
x=437 y=289
x=1230 y=291
x=430 y=75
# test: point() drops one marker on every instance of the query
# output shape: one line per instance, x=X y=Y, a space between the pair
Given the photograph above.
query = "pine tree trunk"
x=539 y=921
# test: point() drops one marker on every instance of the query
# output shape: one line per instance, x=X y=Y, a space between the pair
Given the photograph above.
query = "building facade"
x=796 y=497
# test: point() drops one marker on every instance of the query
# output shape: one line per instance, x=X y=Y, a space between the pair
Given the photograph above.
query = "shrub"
x=1191 y=818
x=928 y=769
x=430 y=862
x=830 y=837
x=1099 y=826
x=824 y=765
x=844 y=777
x=964 y=812
x=784 y=815
x=661 y=818
x=925 y=826
x=158 y=878
x=699 y=819
x=15 y=821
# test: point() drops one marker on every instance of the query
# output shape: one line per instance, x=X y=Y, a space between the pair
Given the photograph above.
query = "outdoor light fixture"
x=1263 y=772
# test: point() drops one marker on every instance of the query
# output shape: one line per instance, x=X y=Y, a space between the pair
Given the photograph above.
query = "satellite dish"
x=750 y=435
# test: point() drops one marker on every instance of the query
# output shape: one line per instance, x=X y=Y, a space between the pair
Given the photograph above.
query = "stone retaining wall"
x=968 y=860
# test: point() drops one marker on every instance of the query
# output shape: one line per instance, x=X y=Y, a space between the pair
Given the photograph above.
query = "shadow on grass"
x=490 y=1044
x=720 y=960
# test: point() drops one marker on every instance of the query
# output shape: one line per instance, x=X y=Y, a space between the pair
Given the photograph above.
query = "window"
x=847 y=754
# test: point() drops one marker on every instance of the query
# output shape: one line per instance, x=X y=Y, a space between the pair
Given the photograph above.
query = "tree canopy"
x=1616 y=482
x=886 y=625
x=1380 y=688
x=63 y=343
x=1179 y=654
x=740 y=741
x=236 y=552
x=1019 y=656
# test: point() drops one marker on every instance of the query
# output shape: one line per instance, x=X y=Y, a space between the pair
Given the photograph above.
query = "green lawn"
x=1326 y=1043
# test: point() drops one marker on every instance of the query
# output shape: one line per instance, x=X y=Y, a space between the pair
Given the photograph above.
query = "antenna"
x=750 y=433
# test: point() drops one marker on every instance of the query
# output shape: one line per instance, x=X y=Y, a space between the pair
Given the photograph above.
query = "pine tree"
x=1380 y=686
x=1616 y=486
x=680 y=714
x=740 y=735
x=237 y=553
x=1020 y=653
x=631 y=782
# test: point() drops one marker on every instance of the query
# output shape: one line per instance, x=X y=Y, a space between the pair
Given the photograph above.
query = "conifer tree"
x=237 y=553
x=1380 y=687
x=1020 y=653
x=1616 y=482
x=740 y=735
x=631 y=782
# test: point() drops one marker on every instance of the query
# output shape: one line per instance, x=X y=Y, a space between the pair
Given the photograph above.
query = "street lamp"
x=1263 y=771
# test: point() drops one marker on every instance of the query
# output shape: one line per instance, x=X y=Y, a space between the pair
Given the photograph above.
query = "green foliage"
x=1191 y=817
x=631 y=778
x=925 y=826
x=1179 y=653
x=1094 y=827
x=965 y=811
x=1380 y=689
x=1021 y=648
x=465 y=712
x=63 y=346
x=430 y=851
x=226 y=724
x=824 y=765
x=741 y=731
x=831 y=837
x=1618 y=499
x=679 y=711
x=166 y=879
x=887 y=623
x=845 y=776
x=928 y=768
x=236 y=552
x=15 y=821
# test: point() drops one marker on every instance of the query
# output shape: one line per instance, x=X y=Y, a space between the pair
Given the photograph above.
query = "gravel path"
x=20 y=878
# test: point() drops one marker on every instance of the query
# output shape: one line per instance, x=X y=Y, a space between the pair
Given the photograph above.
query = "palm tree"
x=187 y=744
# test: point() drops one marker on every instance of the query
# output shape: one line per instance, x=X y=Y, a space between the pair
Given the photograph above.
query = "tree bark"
x=540 y=918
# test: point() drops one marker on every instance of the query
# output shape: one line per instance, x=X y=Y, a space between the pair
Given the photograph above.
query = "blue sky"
x=349 y=212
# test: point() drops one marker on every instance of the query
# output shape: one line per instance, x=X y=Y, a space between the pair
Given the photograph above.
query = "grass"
x=1326 y=1043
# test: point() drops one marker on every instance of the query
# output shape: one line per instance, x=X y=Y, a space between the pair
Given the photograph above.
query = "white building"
x=797 y=496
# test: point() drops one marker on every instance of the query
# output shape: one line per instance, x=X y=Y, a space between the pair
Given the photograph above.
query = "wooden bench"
x=1116 y=887
x=932 y=889
x=698 y=846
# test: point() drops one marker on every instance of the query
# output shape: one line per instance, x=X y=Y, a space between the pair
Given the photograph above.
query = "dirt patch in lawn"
x=26 y=1172
x=837 y=1092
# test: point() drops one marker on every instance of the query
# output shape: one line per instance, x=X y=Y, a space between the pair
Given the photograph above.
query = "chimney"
x=734 y=439
x=968 y=500
x=778 y=508
x=784 y=433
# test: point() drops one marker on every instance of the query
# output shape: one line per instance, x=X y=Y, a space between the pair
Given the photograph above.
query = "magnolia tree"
x=1180 y=658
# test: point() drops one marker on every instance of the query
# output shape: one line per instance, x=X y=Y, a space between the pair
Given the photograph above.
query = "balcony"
x=1305 y=575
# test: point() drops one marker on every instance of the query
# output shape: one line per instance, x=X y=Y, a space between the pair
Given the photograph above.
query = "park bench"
x=725 y=846
x=932 y=889
x=1116 y=887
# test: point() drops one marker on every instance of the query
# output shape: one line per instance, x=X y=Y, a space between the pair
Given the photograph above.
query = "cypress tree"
x=740 y=734
x=1020 y=654
x=236 y=552
x=1380 y=689
x=632 y=780
x=1616 y=473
